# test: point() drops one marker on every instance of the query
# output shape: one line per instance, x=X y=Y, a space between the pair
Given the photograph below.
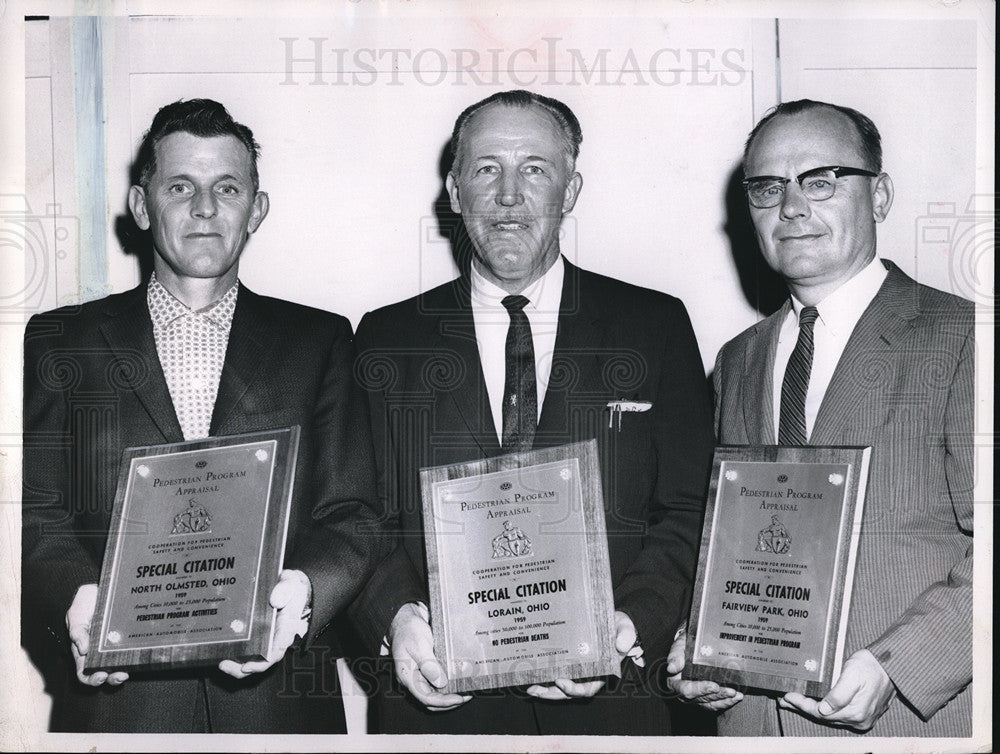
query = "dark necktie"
x=792 y=422
x=520 y=399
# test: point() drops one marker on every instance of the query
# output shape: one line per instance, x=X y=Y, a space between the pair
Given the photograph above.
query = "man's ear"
x=573 y=189
x=882 y=193
x=261 y=204
x=451 y=184
x=137 y=205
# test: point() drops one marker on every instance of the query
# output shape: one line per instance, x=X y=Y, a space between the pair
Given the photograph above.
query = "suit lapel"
x=128 y=331
x=455 y=328
x=758 y=407
x=575 y=358
x=251 y=340
x=865 y=364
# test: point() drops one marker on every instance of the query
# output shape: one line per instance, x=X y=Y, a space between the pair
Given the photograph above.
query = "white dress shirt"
x=838 y=314
x=492 y=322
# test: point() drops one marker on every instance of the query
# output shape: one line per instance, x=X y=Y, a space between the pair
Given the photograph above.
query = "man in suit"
x=888 y=363
x=447 y=383
x=193 y=353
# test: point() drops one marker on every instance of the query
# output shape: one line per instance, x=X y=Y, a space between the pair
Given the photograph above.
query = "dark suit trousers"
x=290 y=698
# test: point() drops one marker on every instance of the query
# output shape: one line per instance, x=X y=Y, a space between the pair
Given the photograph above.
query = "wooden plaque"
x=773 y=588
x=517 y=559
x=196 y=544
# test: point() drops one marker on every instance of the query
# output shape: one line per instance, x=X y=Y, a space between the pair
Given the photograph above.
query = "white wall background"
x=352 y=145
x=351 y=156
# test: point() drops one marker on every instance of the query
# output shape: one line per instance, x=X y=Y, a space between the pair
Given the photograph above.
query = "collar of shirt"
x=838 y=315
x=544 y=295
x=165 y=309
x=492 y=321
x=840 y=311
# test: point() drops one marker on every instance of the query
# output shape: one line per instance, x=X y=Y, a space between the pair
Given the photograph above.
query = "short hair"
x=564 y=117
x=198 y=117
x=868 y=135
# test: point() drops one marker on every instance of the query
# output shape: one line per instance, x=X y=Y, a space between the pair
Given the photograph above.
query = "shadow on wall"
x=133 y=241
x=450 y=225
x=763 y=289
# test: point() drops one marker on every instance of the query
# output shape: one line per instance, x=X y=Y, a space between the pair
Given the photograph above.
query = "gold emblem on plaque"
x=511 y=543
x=195 y=519
x=774 y=538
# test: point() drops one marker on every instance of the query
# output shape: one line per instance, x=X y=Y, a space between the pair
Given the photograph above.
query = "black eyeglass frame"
x=837 y=170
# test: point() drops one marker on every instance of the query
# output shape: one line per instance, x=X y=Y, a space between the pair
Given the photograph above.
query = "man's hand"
x=412 y=646
x=78 y=619
x=627 y=640
x=858 y=698
x=291 y=596
x=626 y=645
x=563 y=688
x=706 y=694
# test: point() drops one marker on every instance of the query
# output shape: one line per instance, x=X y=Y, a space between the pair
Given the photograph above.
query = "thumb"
x=625 y=639
x=625 y=633
x=289 y=598
x=80 y=636
x=281 y=595
x=292 y=589
x=838 y=698
x=675 y=657
x=675 y=662
x=287 y=627
x=80 y=615
x=431 y=670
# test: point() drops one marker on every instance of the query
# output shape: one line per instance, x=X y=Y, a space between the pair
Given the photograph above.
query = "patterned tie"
x=520 y=399
x=792 y=422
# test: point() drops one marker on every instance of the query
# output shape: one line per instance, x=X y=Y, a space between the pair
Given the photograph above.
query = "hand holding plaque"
x=519 y=576
x=706 y=694
x=626 y=645
x=411 y=642
x=79 y=618
x=859 y=697
x=776 y=567
x=195 y=547
x=290 y=598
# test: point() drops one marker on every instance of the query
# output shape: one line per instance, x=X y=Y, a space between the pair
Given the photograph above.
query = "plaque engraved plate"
x=518 y=567
x=776 y=567
x=196 y=544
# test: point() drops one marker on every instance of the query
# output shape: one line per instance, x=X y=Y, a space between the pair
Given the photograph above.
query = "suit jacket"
x=429 y=404
x=904 y=385
x=94 y=386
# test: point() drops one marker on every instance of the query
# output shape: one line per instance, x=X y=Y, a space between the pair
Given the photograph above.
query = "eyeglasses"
x=765 y=191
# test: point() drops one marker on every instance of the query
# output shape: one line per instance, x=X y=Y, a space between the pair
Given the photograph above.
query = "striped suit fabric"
x=904 y=385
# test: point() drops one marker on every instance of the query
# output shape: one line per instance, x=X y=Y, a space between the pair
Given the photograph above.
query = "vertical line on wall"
x=777 y=58
x=57 y=293
x=764 y=45
x=88 y=95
